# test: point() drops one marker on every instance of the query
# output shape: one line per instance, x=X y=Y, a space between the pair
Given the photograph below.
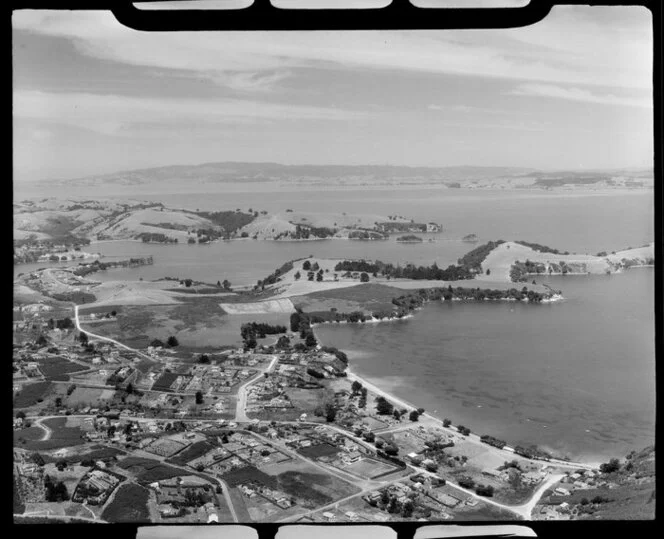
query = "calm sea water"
x=575 y=376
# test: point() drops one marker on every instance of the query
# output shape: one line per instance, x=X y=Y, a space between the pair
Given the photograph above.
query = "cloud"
x=467 y=109
x=568 y=47
x=128 y=116
x=578 y=94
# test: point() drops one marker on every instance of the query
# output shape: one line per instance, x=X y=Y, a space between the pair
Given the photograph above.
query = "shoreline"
x=402 y=403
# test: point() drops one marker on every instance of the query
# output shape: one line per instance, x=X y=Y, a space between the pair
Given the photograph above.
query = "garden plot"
x=166 y=447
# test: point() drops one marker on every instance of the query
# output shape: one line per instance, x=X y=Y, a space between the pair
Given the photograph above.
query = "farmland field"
x=192 y=452
x=163 y=383
x=30 y=394
x=128 y=505
x=58 y=368
x=148 y=470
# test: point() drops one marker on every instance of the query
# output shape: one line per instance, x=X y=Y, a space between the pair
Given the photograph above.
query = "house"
x=351 y=515
x=562 y=491
x=354 y=456
x=328 y=516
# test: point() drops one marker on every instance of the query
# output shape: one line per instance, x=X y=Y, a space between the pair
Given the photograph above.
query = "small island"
x=409 y=238
x=470 y=238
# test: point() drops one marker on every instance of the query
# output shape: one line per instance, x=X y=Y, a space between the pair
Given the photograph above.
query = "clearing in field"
x=271 y=306
x=368 y=297
x=89 y=396
x=199 y=325
x=370 y=468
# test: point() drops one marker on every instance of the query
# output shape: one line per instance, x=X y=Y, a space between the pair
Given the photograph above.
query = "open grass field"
x=88 y=396
x=199 y=325
x=128 y=505
x=30 y=434
x=30 y=394
x=61 y=436
x=320 y=450
x=307 y=483
x=369 y=297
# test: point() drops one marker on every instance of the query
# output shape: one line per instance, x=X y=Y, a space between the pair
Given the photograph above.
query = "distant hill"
x=261 y=172
x=203 y=177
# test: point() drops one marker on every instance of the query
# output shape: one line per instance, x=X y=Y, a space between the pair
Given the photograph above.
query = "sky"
x=91 y=96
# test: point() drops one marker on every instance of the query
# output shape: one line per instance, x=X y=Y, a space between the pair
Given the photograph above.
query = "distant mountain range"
x=456 y=176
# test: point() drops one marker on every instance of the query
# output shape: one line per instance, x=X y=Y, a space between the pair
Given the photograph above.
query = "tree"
x=330 y=413
x=392 y=506
x=391 y=449
x=295 y=320
x=609 y=467
x=397 y=415
x=172 y=341
x=356 y=386
x=414 y=415
x=319 y=277
x=370 y=437
x=283 y=342
x=130 y=388
x=310 y=340
x=307 y=265
x=199 y=397
x=446 y=422
x=466 y=482
x=83 y=338
x=226 y=284
x=20 y=414
x=420 y=411
x=383 y=407
x=58 y=402
x=315 y=267
x=297 y=276
x=156 y=343
x=204 y=358
x=364 y=277
x=407 y=509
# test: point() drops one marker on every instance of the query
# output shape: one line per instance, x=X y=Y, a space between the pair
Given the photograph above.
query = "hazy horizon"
x=92 y=97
